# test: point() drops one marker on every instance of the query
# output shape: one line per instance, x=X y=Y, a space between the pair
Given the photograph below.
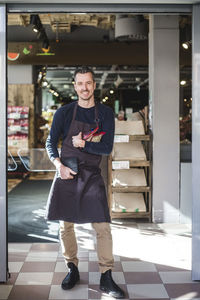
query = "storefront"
x=165 y=150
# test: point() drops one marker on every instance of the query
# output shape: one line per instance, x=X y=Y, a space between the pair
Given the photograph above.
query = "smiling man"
x=78 y=193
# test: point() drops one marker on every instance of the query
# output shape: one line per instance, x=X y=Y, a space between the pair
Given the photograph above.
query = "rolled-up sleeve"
x=104 y=147
x=54 y=135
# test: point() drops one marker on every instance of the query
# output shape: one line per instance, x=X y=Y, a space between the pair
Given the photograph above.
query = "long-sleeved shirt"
x=61 y=124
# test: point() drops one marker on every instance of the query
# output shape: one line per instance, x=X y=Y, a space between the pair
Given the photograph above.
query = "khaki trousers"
x=104 y=244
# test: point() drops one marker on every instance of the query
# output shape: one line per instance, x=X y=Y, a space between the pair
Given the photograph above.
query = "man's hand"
x=77 y=141
x=64 y=172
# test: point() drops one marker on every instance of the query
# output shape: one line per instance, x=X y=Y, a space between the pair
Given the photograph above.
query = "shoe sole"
x=110 y=294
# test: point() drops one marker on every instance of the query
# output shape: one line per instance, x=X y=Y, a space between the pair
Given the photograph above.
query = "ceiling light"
x=104 y=100
x=183 y=82
x=185 y=45
x=106 y=97
x=137 y=79
x=36 y=23
x=111 y=92
x=138 y=88
x=35 y=29
x=45 y=83
x=185 y=100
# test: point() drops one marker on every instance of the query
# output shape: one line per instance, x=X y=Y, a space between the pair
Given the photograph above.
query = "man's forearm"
x=56 y=161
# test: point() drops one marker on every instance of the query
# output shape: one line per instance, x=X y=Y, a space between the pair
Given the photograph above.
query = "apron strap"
x=96 y=115
x=74 y=112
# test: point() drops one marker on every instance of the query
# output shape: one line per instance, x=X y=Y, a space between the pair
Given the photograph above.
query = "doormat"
x=26 y=213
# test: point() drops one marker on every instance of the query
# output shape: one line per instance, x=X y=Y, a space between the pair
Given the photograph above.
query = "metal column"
x=3 y=146
x=196 y=143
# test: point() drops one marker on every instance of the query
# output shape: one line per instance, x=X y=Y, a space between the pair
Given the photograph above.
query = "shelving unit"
x=121 y=189
x=18 y=128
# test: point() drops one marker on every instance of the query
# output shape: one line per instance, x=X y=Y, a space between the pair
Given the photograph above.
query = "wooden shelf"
x=139 y=163
x=146 y=190
x=139 y=137
x=136 y=163
x=133 y=215
x=131 y=189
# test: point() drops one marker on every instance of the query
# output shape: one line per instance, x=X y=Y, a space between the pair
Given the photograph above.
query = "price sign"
x=121 y=138
x=117 y=165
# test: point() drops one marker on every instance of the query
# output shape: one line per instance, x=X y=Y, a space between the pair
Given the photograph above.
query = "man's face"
x=84 y=86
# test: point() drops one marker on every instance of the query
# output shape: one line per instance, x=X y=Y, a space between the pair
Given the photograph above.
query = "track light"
x=36 y=23
x=186 y=45
x=183 y=82
x=186 y=37
x=45 y=44
x=39 y=29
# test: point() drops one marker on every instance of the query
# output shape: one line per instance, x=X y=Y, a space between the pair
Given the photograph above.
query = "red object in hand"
x=90 y=134
x=93 y=136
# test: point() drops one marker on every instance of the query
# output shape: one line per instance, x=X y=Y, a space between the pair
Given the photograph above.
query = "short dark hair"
x=83 y=70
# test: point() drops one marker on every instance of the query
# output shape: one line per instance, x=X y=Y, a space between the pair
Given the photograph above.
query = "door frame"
x=52 y=6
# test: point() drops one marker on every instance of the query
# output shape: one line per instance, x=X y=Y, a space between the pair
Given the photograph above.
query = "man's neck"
x=86 y=103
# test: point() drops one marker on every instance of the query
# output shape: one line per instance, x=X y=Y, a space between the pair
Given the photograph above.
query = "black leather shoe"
x=108 y=285
x=72 y=277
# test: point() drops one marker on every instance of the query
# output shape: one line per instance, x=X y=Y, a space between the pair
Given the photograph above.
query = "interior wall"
x=20 y=74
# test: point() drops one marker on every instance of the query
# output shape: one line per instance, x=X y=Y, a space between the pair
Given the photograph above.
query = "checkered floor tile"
x=151 y=262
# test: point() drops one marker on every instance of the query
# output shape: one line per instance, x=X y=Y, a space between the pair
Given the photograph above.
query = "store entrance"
x=176 y=9
x=43 y=52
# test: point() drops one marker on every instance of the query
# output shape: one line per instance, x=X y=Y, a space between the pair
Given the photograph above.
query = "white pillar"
x=3 y=156
x=196 y=143
x=164 y=115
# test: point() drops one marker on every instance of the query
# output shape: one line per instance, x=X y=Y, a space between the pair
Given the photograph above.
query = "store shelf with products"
x=18 y=128
x=129 y=171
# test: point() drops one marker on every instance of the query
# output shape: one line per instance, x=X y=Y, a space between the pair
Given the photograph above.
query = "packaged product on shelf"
x=129 y=151
x=18 y=128
x=129 y=127
x=131 y=177
x=128 y=202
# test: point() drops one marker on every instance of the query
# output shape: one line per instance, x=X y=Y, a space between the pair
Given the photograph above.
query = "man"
x=79 y=196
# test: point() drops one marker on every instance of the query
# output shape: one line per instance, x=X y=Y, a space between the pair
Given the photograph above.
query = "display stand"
x=129 y=178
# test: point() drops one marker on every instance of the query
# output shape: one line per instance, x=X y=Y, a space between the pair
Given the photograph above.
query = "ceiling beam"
x=83 y=53
x=135 y=54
